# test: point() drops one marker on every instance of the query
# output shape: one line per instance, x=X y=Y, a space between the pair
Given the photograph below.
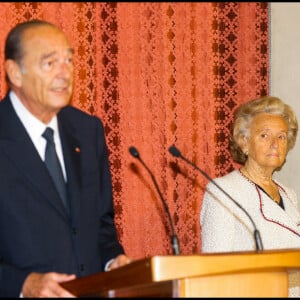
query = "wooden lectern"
x=236 y=274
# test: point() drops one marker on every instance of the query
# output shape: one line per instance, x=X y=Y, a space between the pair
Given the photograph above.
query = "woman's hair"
x=244 y=115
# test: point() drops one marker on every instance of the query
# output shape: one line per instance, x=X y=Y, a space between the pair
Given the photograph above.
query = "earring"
x=246 y=153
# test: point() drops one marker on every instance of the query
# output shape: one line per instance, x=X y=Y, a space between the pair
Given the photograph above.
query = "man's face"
x=46 y=71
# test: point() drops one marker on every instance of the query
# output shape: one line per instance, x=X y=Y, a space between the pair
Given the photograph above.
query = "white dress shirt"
x=35 y=129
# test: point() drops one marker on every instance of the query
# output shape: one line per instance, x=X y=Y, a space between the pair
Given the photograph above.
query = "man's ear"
x=13 y=71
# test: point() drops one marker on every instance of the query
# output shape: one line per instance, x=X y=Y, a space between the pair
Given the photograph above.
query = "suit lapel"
x=72 y=158
x=19 y=149
x=287 y=218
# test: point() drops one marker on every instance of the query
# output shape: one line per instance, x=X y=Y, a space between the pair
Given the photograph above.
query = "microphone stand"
x=258 y=241
x=174 y=239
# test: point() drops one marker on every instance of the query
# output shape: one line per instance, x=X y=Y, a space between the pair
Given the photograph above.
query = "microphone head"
x=174 y=151
x=133 y=151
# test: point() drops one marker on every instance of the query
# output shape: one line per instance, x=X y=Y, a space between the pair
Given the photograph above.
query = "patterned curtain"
x=157 y=74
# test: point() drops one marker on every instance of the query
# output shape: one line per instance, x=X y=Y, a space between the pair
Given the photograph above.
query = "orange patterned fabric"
x=159 y=74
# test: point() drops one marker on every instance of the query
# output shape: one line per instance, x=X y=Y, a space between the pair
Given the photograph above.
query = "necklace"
x=271 y=191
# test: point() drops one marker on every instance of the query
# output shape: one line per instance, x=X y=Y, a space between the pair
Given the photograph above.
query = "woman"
x=264 y=131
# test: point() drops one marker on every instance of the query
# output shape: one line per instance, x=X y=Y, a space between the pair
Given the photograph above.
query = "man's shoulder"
x=79 y=120
x=4 y=100
x=76 y=113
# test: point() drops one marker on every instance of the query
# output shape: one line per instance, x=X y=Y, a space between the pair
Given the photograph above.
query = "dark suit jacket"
x=36 y=233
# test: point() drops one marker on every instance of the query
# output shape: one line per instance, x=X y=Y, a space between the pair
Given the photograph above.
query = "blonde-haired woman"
x=264 y=131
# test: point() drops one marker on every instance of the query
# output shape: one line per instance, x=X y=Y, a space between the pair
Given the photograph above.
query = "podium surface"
x=235 y=274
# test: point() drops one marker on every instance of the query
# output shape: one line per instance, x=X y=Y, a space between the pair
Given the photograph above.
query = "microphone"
x=174 y=239
x=258 y=242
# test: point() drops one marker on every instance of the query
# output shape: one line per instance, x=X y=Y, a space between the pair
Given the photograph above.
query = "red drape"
x=159 y=74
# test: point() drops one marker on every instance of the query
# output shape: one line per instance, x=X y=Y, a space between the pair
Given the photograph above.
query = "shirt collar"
x=33 y=125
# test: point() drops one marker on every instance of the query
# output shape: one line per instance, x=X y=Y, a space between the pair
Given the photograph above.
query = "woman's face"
x=267 y=145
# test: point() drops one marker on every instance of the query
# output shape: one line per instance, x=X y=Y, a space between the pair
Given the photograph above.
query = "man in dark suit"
x=44 y=242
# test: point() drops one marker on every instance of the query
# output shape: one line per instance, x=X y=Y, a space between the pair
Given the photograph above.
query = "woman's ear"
x=243 y=143
x=14 y=72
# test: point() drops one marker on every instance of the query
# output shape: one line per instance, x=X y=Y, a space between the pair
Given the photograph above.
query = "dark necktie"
x=54 y=166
